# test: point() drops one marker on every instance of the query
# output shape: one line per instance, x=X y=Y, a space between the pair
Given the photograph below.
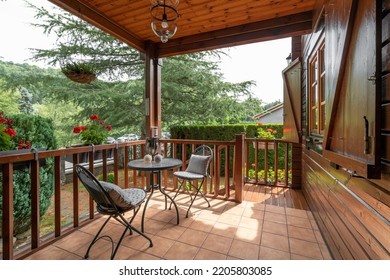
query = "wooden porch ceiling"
x=202 y=25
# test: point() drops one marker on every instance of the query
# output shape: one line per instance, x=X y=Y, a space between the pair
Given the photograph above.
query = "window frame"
x=316 y=91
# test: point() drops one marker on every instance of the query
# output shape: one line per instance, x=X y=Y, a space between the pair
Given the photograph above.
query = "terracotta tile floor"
x=227 y=230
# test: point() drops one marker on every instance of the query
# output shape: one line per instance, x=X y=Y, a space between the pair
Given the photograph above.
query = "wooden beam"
x=90 y=15
x=288 y=26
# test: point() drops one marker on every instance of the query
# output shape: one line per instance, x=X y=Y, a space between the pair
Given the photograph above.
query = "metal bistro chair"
x=113 y=201
x=197 y=170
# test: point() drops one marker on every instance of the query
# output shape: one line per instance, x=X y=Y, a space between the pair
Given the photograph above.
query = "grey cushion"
x=124 y=198
x=198 y=164
x=188 y=175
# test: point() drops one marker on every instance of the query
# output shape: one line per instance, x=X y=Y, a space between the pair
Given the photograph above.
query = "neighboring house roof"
x=271 y=115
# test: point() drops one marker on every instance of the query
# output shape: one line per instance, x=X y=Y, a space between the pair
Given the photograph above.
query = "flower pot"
x=84 y=157
x=262 y=145
x=81 y=78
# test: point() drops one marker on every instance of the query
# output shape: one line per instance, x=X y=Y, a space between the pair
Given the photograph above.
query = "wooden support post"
x=152 y=90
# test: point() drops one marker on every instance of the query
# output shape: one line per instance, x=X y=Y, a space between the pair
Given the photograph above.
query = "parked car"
x=110 y=140
x=165 y=135
x=128 y=137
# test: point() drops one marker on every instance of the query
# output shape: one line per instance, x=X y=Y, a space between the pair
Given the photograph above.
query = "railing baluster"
x=276 y=161
x=104 y=160
x=8 y=211
x=91 y=168
x=57 y=196
x=227 y=173
x=35 y=221
x=266 y=164
x=116 y=160
x=75 y=192
x=286 y=160
x=125 y=169
x=135 y=177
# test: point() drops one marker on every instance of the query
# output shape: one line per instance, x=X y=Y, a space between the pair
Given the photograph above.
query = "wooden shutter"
x=292 y=102
x=352 y=88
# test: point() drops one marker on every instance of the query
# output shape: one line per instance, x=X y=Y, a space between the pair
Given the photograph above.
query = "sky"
x=260 y=62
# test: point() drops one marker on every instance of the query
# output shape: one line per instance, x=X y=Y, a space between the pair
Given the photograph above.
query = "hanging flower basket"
x=81 y=78
x=79 y=72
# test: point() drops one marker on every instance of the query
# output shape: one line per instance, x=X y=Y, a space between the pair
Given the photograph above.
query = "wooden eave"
x=202 y=25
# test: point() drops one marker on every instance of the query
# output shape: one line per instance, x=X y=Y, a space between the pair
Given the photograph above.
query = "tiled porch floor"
x=227 y=230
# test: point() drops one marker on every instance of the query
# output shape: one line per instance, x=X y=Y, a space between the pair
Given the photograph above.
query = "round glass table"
x=155 y=169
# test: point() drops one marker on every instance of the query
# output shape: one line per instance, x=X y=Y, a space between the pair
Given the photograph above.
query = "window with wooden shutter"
x=317 y=91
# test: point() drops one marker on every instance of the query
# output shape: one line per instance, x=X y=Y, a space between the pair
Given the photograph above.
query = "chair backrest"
x=204 y=150
x=103 y=200
x=200 y=160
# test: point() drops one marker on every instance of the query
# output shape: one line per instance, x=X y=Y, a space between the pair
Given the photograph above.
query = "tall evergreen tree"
x=26 y=104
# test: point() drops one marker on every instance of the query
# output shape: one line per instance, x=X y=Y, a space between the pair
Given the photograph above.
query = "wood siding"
x=353 y=212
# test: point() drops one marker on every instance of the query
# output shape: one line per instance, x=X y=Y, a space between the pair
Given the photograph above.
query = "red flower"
x=24 y=144
x=77 y=129
x=101 y=122
x=94 y=118
x=11 y=132
x=108 y=127
x=259 y=123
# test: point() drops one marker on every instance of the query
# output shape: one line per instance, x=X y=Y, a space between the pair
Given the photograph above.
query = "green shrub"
x=110 y=178
x=40 y=132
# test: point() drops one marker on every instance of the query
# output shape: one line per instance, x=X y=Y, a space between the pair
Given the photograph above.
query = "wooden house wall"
x=353 y=212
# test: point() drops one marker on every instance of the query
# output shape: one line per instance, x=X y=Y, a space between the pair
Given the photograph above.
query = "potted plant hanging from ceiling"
x=80 y=72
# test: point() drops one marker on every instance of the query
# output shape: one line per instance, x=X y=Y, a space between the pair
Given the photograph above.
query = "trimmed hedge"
x=40 y=131
x=221 y=132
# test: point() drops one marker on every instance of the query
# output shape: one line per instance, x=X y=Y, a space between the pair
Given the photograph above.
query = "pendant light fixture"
x=164 y=15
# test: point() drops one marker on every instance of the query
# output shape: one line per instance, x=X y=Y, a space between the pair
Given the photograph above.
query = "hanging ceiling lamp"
x=164 y=15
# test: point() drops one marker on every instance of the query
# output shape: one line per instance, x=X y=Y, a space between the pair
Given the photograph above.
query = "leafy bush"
x=40 y=132
x=110 y=178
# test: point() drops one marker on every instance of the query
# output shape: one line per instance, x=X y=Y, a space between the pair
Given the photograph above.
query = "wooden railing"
x=227 y=176
x=268 y=162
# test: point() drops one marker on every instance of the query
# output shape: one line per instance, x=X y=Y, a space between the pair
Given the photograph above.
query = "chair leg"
x=176 y=194
x=197 y=191
x=131 y=228
x=96 y=237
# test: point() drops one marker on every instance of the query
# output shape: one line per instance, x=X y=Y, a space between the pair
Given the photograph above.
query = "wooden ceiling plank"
x=129 y=20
